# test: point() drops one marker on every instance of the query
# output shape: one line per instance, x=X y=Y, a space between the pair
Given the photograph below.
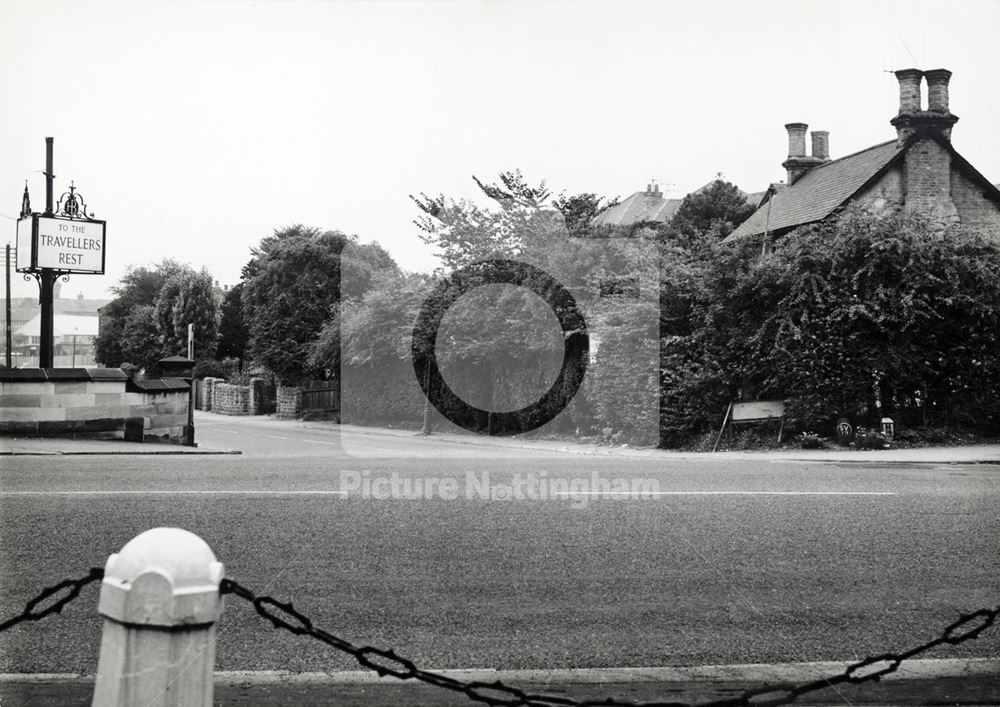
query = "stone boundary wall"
x=227 y=399
x=95 y=403
x=289 y=401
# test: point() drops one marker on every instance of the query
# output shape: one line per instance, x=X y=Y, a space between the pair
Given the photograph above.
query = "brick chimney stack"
x=912 y=118
x=821 y=144
x=937 y=90
x=796 y=139
x=909 y=90
x=798 y=162
x=927 y=167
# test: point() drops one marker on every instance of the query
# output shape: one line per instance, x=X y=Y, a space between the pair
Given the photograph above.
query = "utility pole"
x=190 y=426
x=7 y=324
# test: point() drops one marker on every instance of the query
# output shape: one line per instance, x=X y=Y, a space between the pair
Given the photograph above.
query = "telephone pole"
x=7 y=359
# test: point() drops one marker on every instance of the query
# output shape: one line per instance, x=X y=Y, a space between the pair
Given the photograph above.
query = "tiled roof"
x=818 y=192
x=62 y=325
x=646 y=206
x=641 y=206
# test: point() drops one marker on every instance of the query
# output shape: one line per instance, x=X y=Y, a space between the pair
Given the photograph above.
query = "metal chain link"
x=74 y=585
x=386 y=662
x=383 y=662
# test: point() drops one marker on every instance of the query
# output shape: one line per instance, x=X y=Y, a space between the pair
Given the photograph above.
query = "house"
x=73 y=338
x=649 y=206
x=919 y=170
x=73 y=341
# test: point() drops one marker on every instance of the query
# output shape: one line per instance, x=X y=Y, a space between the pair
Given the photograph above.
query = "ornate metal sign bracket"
x=72 y=205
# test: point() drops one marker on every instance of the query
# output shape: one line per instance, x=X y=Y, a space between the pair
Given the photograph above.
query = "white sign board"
x=24 y=245
x=758 y=410
x=67 y=245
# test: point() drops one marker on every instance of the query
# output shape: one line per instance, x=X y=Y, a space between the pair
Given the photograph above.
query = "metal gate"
x=268 y=400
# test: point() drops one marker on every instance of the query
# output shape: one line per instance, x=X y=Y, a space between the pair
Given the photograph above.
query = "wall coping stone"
x=155 y=385
x=44 y=375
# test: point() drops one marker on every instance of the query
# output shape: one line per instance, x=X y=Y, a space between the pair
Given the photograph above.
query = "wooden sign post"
x=756 y=411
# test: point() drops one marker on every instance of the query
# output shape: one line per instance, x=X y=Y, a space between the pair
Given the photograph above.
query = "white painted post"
x=160 y=601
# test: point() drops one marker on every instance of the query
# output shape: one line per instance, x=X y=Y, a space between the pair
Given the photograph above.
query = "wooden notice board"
x=755 y=411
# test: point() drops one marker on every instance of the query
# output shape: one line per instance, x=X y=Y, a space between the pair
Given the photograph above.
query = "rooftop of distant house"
x=651 y=206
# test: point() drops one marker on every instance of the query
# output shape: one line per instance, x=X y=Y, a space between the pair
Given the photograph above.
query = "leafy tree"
x=513 y=190
x=139 y=287
x=853 y=317
x=141 y=344
x=520 y=217
x=187 y=298
x=234 y=334
x=579 y=210
x=713 y=211
x=888 y=309
x=289 y=287
x=525 y=223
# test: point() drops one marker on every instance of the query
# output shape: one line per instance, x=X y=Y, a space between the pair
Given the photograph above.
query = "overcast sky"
x=196 y=128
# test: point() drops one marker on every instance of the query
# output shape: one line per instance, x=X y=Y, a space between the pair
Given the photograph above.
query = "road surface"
x=725 y=563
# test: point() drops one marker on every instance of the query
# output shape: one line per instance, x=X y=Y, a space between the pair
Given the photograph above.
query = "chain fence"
x=32 y=613
x=283 y=615
x=386 y=662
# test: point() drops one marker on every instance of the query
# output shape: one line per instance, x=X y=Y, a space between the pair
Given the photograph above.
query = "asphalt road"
x=725 y=563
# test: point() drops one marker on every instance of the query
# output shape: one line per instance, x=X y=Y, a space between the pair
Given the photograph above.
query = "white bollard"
x=160 y=601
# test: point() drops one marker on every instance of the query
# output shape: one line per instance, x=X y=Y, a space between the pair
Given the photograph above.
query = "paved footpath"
x=969 y=454
x=919 y=682
x=24 y=446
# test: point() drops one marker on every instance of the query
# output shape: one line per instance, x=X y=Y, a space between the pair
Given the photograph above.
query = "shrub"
x=811 y=440
x=211 y=368
x=866 y=438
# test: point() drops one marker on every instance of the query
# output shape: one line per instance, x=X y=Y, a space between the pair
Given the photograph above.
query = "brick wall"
x=886 y=194
x=973 y=207
x=927 y=180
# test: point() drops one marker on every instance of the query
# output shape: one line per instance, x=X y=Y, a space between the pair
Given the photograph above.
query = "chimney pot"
x=909 y=90
x=937 y=90
x=911 y=120
x=821 y=144
x=796 y=139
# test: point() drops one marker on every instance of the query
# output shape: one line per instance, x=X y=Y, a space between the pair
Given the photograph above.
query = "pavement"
x=968 y=454
x=918 y=682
